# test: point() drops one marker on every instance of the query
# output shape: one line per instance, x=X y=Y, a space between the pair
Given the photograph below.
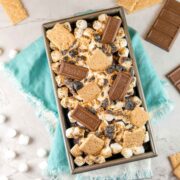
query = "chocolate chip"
x=81 y=58
x=114 y=77
x=120 y=68
x=77 y=85
x=92 y=79
x=65 y=58
x=111 y=69
x=73 y=53
x=129 y=105
x=109 y=131
x=97 y=37
x=105 y=82
x=113 y=48
x=105 y=103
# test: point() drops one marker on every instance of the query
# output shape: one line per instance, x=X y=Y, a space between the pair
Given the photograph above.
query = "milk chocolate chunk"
x=120 y=86
x=86 y=118
x=111 y=30
x=165 y=29
x=72 y=71
x=174 y=77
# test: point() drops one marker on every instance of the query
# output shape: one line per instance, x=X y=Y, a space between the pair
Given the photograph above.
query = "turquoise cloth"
x=30 y=69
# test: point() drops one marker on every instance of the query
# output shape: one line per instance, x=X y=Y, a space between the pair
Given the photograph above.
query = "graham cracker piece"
x=141 y=4
x=139 y=117
x=60 y=37
x=133 y=139
x=89 y=92
x=175 y=160
x=15 y=10
x=177 y=171
x=75 y=151
x=98 y=61
x=127 y=4
x=92 y=145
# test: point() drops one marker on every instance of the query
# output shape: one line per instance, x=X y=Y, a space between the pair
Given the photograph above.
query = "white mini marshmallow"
x=10 y=154
x=3 y=177
x=12 y=133
x=124 y=52
x=146 y=138
x=13 y=53
x=43 y=165
x=1 y=51
x=78 y=33
x=70 y=118
x=106 y=152
x=116 y=148
x=81 y=24
x=69 y=132
x=23 y=167
x=97 y=25
x=126 y=152
x=2 y=118
x=41 y=152
x=23 y=139
x=138 y=150
x=123 y=43
x=102 y=17
x=108 y=117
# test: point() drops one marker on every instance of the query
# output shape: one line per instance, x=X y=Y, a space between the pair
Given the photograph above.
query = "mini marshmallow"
x=23 y=139
x=78 y=33
x=9 y=154
x=13 y=53
x=56 y=55
x=23 y=167
x=108 y=117
x=3 y=177
x=79 y=161
x=11 y=133
x=116 y=148
x=2 y=118
x=70 y=118
x=106 y=152
x=43 y=165
x=99 y=160
x=78 y=132
x=138 y=150
x=126 y=152
x=146 y=138
x=69 y=132
x=62 y=92
x=81 y=24
x=123 y=43
x=124 y=52
x=102 y=17
x=88 y=32
x=41 y=152
x=97 y=25
x=1 y=51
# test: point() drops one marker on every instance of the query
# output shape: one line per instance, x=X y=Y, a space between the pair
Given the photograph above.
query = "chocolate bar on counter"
x=166 y=27
x=120 y=86
x=111 y=30
x=72 y=71
x=174 y=77
x=86 y=118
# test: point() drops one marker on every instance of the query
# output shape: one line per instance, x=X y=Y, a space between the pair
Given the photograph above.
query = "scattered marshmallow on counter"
x=23 y=167
x=126 y=152
x=41 y=152
x=43 y=165
x=2 y=118
x=9 y=154
x=23 y=139
x=1 y=51
x=13 y=53
x=11 y=133
x=3 y=177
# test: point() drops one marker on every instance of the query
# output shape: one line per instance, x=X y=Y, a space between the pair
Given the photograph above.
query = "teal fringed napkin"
x=31 y=72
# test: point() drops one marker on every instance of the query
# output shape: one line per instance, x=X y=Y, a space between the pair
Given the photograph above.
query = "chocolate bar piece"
x=86 y=118
x=120 y=86
x=174 y=77
x=111 y=30
x=166 y=27
x=72 y=71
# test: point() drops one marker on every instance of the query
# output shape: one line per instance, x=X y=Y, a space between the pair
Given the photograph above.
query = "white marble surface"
x=21 y=114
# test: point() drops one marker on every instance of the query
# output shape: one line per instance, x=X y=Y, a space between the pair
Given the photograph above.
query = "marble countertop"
x=22 y=116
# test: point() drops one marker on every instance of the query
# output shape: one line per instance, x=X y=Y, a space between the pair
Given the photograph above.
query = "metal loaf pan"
x=150 y=150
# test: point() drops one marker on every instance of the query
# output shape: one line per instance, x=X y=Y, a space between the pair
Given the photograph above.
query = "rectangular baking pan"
x=150 y=149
